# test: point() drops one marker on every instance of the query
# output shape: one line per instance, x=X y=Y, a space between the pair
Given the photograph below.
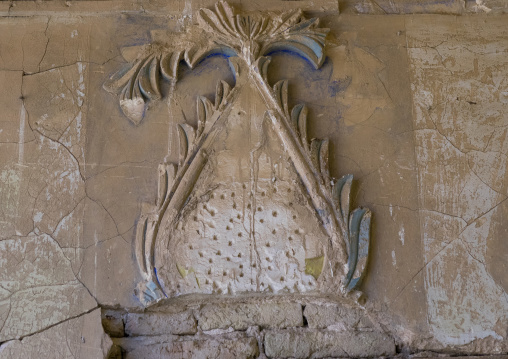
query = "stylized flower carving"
x=247 y=36
x=256 y=35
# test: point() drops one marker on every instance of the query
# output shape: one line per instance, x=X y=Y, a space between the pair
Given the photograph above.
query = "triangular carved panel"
x=248 y=224
x=250 y=206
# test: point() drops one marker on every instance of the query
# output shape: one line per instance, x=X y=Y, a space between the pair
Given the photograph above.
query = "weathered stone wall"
x=294 y=326
x=413 y=97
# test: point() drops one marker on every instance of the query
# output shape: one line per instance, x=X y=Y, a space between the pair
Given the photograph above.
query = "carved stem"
x=176 y=203
x=187 y=175
x=302 y=165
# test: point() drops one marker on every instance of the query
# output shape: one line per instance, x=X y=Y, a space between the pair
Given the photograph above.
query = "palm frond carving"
x=353 y=225
x=173 y=187
x=246 y=36
x=257 y=35
x=250 y=38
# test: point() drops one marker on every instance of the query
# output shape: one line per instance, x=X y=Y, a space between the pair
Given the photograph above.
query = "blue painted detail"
x=224 y=52
x=340 y=197
x=363 y=252
x=158 y=282
x=139 y=38
x=339 y=86
x=354 y=234
x=322 y=214
x=211 y=63
x=292 y=51
x=353 y=283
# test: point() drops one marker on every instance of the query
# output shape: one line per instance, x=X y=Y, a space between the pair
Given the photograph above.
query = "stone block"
x=115 y=352
x=113 y=323
x=160 y=323
x=450 y=7
x=304 y=343
x=226 y=347
x=241 y=316
x=325 y=315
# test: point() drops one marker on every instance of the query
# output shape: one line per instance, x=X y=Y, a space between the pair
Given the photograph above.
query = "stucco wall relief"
x=413 y=105
x=229 y=214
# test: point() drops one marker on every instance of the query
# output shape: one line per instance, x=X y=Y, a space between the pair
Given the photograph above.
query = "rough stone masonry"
x=264 y=179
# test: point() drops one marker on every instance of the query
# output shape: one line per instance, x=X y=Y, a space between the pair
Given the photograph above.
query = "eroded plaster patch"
x=459 y=121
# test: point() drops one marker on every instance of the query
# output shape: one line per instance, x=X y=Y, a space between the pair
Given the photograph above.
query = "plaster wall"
x=415 y=106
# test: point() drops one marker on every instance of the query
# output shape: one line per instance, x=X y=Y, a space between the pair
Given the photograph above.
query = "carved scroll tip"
x=134 y=109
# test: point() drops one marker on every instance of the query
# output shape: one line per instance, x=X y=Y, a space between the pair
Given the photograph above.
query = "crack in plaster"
x=47 y=43
x=23 y=98
x=482 y=181
x=76 y=280
x=60 y=322
x=70 y=264
x=448 y=245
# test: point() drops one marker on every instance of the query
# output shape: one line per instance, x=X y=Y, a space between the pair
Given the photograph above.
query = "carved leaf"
x=221 y=93
x=281 y=95
x=140 y=244
x=287 y=19
x=304 y=38
x=323 y=162
x=167 y=173
x=248 y=26
x=315 y=144
x=341 y=195
x=119 y=79
x=183 y=142
x=151 y=223
x=139 y=82
x=262 y=66
x=205 y=109
x=148 y=79
x=220 y=22
x=226 y=16
x=359 y=247
x=302 y=127
x=295 y=114
x=195 y=54
x=263 y=26
x=169 y=64
x=132 y=103
x=150 y=292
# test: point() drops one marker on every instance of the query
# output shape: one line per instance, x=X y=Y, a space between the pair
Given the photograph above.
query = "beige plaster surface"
x=414 y=106
x=461 y=132
x=81 y=337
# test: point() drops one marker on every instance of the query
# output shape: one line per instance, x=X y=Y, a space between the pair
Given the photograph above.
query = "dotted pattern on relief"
x=248 y=225
x=228 y=241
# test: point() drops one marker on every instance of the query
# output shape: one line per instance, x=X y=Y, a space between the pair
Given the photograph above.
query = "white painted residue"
x=480 y=6
x=21 y=143
x=38 y=217
x=81 y=83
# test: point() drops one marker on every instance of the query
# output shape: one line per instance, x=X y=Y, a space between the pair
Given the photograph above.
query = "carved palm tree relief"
x=250 y=206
